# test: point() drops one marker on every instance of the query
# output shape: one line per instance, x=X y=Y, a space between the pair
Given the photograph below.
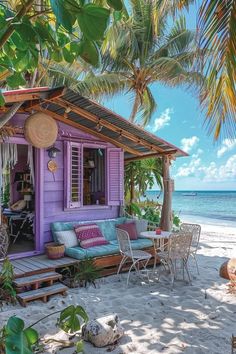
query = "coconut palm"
x=217 y=36
x=141 y=175
x=141 y=51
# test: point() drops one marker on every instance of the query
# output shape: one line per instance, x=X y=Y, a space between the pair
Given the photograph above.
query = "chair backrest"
x=124 y=241
x=195 y=230
x=179 y=245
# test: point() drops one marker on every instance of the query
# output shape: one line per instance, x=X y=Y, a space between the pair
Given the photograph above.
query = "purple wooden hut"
x=80 y=177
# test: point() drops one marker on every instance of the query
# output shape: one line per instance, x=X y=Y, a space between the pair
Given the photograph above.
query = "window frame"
x=67 y=175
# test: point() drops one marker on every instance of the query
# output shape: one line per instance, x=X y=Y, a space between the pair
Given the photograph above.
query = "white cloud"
x=163 y=120
x=227 y=145
x=188 y=143
x=224 y=172
x=190 y=169
x=211 y=172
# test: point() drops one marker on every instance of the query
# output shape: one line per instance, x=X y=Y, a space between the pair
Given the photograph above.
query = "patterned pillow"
x=89 y=235
x=67 y=237
x=130 y=228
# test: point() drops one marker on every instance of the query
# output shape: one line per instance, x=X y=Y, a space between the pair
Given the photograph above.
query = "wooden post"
x=166 y=212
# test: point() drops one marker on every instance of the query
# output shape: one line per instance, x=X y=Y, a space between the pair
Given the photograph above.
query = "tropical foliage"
x=217 y=38
x=141 y=175
x=55 y=30
x=141 y=51
x=151 y=212
x=16 y=338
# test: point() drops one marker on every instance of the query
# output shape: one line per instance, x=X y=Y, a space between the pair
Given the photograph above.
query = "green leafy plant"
x=152 y=212
x=88 y=272
x=80 y=274
x=7 y=291
x=56 y=31
x=15 y=338
x=69 y=319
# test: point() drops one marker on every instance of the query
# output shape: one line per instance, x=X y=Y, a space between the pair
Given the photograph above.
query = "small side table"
x=154 y=237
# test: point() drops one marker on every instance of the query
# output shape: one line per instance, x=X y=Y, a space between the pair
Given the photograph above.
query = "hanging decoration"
x=52 y=167
x=40 y=130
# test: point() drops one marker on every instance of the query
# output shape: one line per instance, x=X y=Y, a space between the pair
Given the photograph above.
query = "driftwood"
x=233 y=343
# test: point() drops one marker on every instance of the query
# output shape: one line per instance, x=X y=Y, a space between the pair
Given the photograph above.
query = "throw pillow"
x=89 y=235
x=130 y=228
x=141 y=224
x=68 y=238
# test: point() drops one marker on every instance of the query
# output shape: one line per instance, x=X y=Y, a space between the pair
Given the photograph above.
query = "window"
x=93 y=175
x=94 y=178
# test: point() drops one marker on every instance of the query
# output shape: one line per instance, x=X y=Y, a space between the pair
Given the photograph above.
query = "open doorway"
x=17 y=196
x=94 y=176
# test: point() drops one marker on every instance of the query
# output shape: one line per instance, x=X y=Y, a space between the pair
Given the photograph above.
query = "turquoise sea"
x=208 y=207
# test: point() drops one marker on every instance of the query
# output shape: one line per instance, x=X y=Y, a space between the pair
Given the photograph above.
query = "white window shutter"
x=73 y=175
x=115 y=173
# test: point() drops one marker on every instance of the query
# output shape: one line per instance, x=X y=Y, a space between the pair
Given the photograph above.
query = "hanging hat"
x=40 y=130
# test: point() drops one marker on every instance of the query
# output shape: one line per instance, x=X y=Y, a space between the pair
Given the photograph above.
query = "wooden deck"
x=27 y=266
x=38 y=264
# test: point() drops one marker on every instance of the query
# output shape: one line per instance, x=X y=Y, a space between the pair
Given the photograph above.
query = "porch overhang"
x=71 y=108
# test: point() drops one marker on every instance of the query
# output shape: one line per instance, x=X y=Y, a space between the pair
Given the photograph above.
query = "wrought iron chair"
x=195 y=230
x=136 y=256
x=178 y=250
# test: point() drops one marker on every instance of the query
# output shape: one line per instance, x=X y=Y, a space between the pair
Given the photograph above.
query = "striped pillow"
x=89 y=235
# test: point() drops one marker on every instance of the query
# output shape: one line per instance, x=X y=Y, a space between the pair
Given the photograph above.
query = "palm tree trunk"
x=166 y=211
x=134 y=109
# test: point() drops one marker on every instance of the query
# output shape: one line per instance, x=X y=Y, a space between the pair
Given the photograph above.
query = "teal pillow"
x=108 y=227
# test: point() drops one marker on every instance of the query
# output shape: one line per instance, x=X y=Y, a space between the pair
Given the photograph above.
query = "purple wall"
x=50 y=188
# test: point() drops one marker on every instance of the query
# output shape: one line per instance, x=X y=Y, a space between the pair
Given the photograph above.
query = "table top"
x=153 y=235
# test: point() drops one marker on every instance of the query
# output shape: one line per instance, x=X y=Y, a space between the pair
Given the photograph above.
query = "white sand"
x=197 y=318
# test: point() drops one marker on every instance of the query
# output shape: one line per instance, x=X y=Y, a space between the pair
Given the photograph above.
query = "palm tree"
x=217 y=37
x=140 y=51
x=141 y=175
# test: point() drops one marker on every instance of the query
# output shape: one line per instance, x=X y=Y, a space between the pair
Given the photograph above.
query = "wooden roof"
x=73 y=109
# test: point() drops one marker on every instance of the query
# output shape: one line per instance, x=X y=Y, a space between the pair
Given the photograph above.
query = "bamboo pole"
x=166 y=212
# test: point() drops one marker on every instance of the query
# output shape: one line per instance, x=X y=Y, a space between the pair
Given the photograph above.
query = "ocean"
x=206 y=207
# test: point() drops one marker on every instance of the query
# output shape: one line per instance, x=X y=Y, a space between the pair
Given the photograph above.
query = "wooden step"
x=42 y=293
x=35 y=280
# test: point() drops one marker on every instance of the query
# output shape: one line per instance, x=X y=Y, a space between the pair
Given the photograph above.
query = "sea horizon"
x=213 y=207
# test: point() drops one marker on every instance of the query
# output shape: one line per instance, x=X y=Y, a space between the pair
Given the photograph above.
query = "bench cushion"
x=97 y=251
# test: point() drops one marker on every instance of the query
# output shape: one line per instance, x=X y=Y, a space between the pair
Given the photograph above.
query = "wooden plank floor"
x=38 y=264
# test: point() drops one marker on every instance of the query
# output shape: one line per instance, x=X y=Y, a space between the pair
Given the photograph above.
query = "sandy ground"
x=197 y=318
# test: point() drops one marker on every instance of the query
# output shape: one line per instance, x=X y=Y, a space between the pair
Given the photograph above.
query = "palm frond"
x=148 y=107
x=218 y=37
x=107 y=84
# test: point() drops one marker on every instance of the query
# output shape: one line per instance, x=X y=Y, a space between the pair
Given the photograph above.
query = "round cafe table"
x=155 y=238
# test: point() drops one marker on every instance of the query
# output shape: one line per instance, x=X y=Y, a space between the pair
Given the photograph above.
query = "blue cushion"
x=97 y=251
x=138 y=244
x=108 y=227
x=76 y=252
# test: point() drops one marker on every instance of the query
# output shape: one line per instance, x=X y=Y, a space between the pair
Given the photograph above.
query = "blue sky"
x=179 y=120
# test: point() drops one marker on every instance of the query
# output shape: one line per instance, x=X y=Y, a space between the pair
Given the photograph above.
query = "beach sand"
x=197 y=318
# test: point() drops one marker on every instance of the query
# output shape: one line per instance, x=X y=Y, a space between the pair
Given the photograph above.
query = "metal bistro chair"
x=178 y=251
x=137 y=256
x=195 y=230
